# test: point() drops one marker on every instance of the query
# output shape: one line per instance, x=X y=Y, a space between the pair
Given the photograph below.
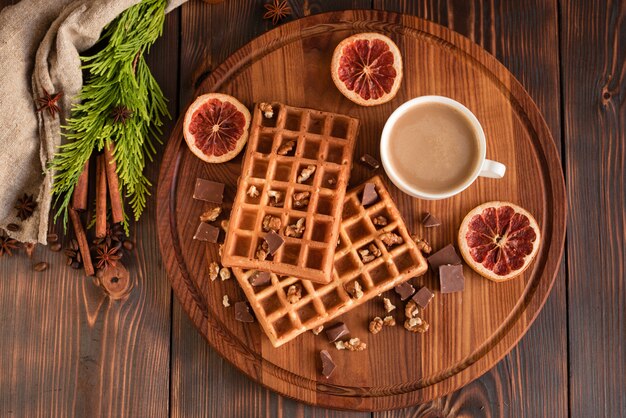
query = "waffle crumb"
x=388 y=305
x=286 y=148
x=306 y=173
x=214 y=270
x=267 y=109
x=376 y=325
x=389 y=321
x=253 y=191
x=275 y=197
x=422 y=244
x=294 y=293
x=220 y=250
x=380 y=221
x=296 y=230
x=316 y=331
x=271 y=223
x=211 y=214
x=224 y=224
x=225 y=301
x=224 y=273
x=390 y=239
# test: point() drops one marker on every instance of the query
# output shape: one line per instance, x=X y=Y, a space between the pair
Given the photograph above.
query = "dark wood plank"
x=204 y=384
x=593 y=40
x=524 y=37
x=66 y=348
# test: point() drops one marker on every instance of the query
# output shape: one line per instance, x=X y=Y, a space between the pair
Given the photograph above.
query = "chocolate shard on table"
x=206 y=232
x=208 y=191
x=405 y=290
x=260 y=278
x=337 y=331
x=274 y=242
x=370 y=161
x=328 y=365
x=451 y=278
x=242 y=312
x=429 y=220
x=369 y=194
x=447 y=255
x=423 y=297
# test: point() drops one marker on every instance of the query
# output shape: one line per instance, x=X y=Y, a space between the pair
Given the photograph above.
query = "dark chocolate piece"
x=206 y=232
x=260 y=278
x=451 y=278
x=337 y=331
x=242 y=312
x=369 y=194
x=370 y=161
x=447 y=255
x=328 y=365
x=274 y=242
x=405 y=290
x=423 y=297
x=429 y=220
x=209 y=191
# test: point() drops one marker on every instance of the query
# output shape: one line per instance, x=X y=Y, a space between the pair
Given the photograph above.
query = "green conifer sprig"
x=117 y=75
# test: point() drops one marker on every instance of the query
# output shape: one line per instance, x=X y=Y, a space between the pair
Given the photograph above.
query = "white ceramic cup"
x=485 y=167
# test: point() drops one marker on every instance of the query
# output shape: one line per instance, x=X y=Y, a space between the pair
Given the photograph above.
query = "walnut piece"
x=416 y=325
x=316 y=331
x=294 y=293
x=389 y=321
x=388 y=305
x=286 y=148
x=224 y=224
x=301 y=199
x=253 y=191
x=211 y=214
x=380 y=221
x=296 y=230
x=412 y=310
x=422 y=244
x=390 y=239
x=262 y=251
x=355 y=344
x=370 y=253
x=276 y=197
x=267 y=109
x=225 y=301
x=376 y=325
x=354 y=289
x=271 y=223
x=306 y=173
x=214 y=270
x=225 y=273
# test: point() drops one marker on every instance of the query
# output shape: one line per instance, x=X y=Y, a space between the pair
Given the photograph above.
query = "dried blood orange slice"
x=499 y=240
x=216 y=127
x=367 y=68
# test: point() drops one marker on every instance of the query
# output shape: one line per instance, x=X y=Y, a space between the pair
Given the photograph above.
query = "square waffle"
x=320 y=303
x=320 y=139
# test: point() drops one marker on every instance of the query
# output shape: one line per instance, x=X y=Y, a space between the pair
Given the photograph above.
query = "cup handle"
x=492 y=169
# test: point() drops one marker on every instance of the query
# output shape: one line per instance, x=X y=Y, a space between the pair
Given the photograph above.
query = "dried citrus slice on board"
x=216 y=127
x=367 y=68
x=499 y=240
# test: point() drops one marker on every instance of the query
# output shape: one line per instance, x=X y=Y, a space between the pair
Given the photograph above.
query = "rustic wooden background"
x=67 y=350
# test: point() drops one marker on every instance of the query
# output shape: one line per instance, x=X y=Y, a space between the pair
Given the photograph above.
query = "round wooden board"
x=469 y=331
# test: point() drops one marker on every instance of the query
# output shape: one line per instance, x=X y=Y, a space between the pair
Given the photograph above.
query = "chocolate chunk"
x=328 y=365
x=451 y=278
x=260 y=278
x=369 y=194
x=274 y=242
x=405 y=290
x=370 y=161
x=429 y=220
x=209 y=191
x=242 y=312
x=447 y=255
x=423 y=297
x=206 y=232
x=337 y=331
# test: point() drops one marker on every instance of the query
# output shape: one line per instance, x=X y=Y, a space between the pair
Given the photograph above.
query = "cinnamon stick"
x=83 y=245
x=79 y=199
x=101 y=197
x=117 y=210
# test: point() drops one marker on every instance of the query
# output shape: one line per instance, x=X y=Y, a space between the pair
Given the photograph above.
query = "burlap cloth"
x=40 y=43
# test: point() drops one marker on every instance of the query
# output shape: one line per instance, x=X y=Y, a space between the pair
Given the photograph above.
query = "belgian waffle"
x=321 y=140
x=283 y=321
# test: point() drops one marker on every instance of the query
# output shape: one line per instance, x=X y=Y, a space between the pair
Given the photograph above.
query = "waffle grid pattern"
x=324 y=140
x=321 y=303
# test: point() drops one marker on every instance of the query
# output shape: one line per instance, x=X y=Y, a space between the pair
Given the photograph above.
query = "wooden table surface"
x=68 y=350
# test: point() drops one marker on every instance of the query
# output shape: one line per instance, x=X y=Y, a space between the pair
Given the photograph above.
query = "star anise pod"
x=114 y=236
x=7 y=245
x=25 y=206
x=74 y=258
x=107 y=256
x=121 y=114
x=49 y=102
x=277 y=10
